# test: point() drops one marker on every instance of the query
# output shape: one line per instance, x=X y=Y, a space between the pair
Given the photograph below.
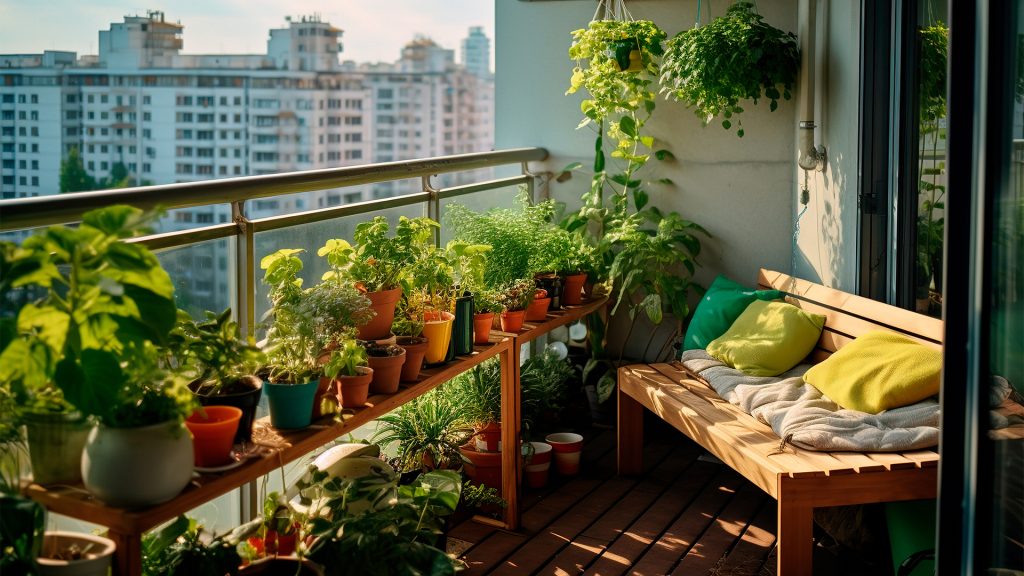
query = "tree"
x=73 y=177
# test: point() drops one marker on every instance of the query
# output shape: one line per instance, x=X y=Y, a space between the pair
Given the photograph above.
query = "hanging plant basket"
x=735 y=57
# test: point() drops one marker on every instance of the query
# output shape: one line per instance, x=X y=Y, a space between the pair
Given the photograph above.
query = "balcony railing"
x=24 y=213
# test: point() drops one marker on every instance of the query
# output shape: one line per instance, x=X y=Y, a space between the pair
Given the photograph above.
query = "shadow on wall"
x=820 y=256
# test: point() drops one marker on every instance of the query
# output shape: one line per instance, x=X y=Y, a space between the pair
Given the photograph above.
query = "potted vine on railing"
x=735 y=57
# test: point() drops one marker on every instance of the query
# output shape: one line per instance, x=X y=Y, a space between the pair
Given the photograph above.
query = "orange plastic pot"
x=482 y=327
x=353 y=390
x=387 y=370
x=537 y=311
x=572 y=289
x=415 y=349
x=437 y=327
x=383 y=303
x=512 y=320
x=213 y=431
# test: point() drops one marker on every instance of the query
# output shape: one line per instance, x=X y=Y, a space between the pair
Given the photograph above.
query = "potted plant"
x=514 y=298
x=347 y=366
x=468 y=261
x=486 y=304
x=223 y=363
x=21 y=531
x=735 y=57
x=537 y=311
x=184 y=548
x=293 y=348
x=377 y=263
x=428 y=432
x=408 y=328
x=76 y=553
x=386 y=362
x=477 y=394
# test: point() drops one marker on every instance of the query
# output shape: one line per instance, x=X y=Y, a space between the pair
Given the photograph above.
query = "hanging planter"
x=735 y=57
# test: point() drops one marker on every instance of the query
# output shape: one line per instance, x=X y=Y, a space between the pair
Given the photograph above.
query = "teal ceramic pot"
x=291 y=405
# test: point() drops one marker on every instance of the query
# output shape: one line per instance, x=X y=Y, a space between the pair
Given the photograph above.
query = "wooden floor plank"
x=575 y=557
x=723 y=533
x=688 y=527
x=750 y=553
x=636 y=539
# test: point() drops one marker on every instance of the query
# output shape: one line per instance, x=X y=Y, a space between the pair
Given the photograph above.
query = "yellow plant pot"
x=439 y=334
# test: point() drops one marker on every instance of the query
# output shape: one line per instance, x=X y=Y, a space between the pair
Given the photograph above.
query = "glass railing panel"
x=203 y=275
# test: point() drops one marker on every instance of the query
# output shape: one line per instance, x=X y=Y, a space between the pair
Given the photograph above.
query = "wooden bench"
x=800 y=480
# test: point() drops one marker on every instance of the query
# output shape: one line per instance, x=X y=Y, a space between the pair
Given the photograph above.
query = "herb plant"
x=292 y=344
x=516 y=295
x=216 y=353
x=427 y=429
x=345 y=360
x=378 y=261
x=735 y=57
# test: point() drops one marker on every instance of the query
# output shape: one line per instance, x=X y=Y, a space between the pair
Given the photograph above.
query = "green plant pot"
x=55 y=443
x=291 y=405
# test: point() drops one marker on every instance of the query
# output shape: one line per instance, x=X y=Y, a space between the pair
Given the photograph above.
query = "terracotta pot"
x=383 y=303
x=437 y=327
x=353 y=390
x=512 y=320
x=415 y=349
x=566 y=447
x=482 y=327
x=246 y=401
x=572 y=289
x=482 y=467
x=488 y=438
x=538 y=464
x=537 y=311
x=213 y=433
x=386 y=372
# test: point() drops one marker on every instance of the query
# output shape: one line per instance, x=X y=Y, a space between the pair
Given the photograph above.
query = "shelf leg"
x=128 y=556
x=510 y=459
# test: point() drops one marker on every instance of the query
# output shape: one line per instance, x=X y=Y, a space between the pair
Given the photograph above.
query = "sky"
x=374 y=30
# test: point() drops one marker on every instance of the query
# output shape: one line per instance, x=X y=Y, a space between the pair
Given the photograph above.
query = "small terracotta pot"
x=566 y=447
x=386 y=372
x=482 y=467
x=353 y=390
x=488 y=438
x=572 y=289
x=538 y=464
x=383 y=303
x=415 y=349
x=213 y=432
x=537 y=311
x=482 y=327
x=512 y=320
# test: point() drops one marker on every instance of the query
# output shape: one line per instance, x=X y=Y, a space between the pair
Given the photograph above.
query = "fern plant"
x=735 y=57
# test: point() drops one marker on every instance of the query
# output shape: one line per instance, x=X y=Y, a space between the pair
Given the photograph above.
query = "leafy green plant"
x=542 y=381
x=183 y=548
x=427 y=430
x=336 y=308
x=345 y=360
x=487 y=300
x=409 y=314
x=735 y=57
x=292 y=344
x=220 y=358
x=481 y=497
x=934 y=47
x=476 y=394
x=397 y=538
x=90 y=341
x=378 y=261
x=517 y=294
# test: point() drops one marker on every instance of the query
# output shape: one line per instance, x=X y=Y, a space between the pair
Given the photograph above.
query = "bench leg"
x=795 y=531
x=630 y=431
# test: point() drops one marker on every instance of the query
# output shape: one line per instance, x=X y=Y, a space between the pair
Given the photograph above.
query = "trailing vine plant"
x=735 y=57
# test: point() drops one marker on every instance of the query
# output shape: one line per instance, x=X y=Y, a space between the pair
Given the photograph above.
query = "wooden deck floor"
x=685 y=515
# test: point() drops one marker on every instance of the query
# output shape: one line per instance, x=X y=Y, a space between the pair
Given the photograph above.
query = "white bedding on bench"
x=807 y=419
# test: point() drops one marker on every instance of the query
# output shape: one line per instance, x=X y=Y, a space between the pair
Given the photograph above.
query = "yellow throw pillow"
x=878 y=371
x=768 y=338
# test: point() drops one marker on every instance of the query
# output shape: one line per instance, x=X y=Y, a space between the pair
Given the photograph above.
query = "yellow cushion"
x=768 y=338
x=878 y=371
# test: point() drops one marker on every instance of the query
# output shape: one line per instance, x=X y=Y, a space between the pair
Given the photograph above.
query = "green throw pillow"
x=878 y=371
x=721 y=305
x=768 y=338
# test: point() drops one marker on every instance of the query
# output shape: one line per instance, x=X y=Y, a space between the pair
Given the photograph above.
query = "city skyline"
x=73 y=26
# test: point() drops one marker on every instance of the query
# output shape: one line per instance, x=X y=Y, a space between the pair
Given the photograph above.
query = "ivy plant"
x=735 y=57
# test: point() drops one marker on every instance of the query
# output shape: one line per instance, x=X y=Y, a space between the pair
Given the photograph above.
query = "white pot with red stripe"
x=566 y=447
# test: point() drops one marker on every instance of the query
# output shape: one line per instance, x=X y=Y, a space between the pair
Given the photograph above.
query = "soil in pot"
x=55 y=443
x=386 y=362
x=353 y=390
x=415 y=350
x=75 y=553
x=243 y=394
x=383 y=303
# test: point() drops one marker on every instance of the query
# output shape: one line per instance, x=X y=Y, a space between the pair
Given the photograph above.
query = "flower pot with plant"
x=377 y=263
x=477 y=394
x=537 y=311
x=735 y=57
x=293 y=345
x=437 y=327
x=408 y=327
x=428 y=432
x=24 y=520
x=486 y=305
x=185 y=548
x=75 y=553
x=347 y=367
x=386 y=363
x=224 y=365
x=515 y=297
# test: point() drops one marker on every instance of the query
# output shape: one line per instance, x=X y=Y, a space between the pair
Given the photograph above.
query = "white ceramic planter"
x=96 y=560
x=137 y=466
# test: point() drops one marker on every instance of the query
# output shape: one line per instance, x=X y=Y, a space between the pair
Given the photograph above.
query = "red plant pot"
x=387 y=370
x=279 y=544
x=572 y=289
x=482 y=327
x=213 y=429
x=512 y=320
x=353 y=390
x=415 y=350
x=538 y=465
x=537 y=311
x=488 y=438
x=383 y=303
x=482 y=467
x=566 y=447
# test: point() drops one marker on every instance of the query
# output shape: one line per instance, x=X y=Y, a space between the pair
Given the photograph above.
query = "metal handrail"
x=23 y=213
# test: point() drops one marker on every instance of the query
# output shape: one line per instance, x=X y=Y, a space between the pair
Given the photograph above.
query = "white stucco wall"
x=743 y=190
